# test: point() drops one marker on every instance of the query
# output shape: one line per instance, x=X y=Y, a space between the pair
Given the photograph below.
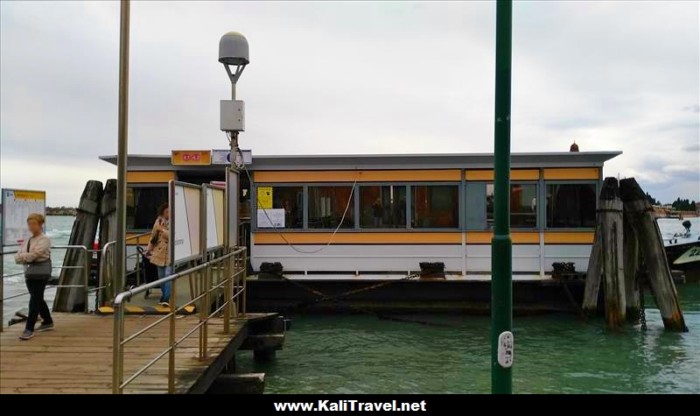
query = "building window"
x=571 y=205
x=280 y=207
x=435 y=206
x=142 y=204
x=475 y=206
x=523 y=205
x=383 y=206
x=327 y=205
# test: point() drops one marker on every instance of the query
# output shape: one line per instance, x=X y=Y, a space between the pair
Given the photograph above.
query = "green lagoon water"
x=553 y=353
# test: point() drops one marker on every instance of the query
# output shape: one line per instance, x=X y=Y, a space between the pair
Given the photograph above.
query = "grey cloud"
x=352 y=77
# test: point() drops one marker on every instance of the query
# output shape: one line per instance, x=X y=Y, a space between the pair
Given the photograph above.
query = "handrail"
x=136 y=237
x=232 y=277
x=103 y=282
x=87 y=263
x=106 y=277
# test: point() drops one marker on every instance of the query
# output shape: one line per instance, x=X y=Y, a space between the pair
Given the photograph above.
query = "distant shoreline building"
x=667 y=211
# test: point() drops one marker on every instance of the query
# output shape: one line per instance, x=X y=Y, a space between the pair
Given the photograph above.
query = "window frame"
x=254 y=205
x=329 y=185
x=145 y=185
x=358 y=225
x=595 y=183
x=538 y=221
x=356 y=206
x=409 y=208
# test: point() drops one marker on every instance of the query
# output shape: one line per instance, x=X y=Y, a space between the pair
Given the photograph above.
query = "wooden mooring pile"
x=628 y=254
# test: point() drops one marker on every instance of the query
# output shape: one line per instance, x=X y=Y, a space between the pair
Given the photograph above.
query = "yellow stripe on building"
x=150 y=176
x=515 y=174
x=571 y=173
x=472 y=237
x=262 y=238
x=484 y=237
x=582 y=237
x=360 y=176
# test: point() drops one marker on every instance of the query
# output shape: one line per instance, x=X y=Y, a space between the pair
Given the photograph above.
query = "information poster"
x=265 y=197
x=215 y=217
x=17 y=204
x=270 y=218
x=184 y=222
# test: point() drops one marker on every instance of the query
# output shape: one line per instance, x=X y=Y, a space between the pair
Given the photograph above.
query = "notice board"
x=17 y=204
x=185 y=221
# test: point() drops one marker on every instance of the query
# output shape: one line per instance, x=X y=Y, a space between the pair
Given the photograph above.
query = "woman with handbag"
x=35 y=255
x=158 y=250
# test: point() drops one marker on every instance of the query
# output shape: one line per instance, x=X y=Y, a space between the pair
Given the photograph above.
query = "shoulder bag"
x=38 y=268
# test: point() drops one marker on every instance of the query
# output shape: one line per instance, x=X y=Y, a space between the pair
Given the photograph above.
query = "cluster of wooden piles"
x=96 y=210
x=628 y=254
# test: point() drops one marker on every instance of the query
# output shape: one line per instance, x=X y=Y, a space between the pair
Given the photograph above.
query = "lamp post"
x=233 y=54
x=122 y=149
x=502 y=341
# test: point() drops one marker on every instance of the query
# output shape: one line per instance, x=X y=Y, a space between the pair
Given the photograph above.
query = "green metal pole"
x=501 y=251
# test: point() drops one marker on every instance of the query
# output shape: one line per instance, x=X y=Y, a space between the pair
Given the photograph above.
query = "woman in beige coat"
x=158 y=250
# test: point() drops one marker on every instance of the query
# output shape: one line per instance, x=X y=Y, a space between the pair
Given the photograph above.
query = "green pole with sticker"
x=501 y=249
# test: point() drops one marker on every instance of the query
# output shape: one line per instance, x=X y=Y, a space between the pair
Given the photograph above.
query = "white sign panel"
x=17 y=204
x=215 y=217
x=273 y=219
x=184 y=222
x=223 y=157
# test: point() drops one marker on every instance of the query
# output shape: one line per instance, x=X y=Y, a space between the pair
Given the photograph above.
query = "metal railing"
x=226 y=274
x=106 y=269
x=85 y=266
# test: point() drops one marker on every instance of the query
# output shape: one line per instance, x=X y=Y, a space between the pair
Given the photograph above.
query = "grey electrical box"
x=232 y=115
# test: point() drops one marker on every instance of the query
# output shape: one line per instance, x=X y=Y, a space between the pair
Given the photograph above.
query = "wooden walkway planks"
x=77 y=356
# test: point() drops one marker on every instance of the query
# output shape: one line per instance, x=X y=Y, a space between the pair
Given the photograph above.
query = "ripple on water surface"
x=554 y=354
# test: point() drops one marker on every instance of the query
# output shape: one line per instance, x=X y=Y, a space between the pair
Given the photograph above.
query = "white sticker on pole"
x=505 y=349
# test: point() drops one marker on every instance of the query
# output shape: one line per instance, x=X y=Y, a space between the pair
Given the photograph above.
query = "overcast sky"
x=355 y=77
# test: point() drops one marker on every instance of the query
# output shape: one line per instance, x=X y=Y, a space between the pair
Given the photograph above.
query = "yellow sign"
x=191 y=157
x=30 y=195
x=265 y=197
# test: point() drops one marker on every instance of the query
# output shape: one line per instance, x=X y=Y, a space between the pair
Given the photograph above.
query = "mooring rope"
x=576 y=306
x=322 y=297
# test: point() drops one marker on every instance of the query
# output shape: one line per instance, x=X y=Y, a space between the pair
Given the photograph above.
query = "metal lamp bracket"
x=233 y=76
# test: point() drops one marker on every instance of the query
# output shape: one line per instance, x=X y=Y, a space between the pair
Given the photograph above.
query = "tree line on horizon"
x=679 y=204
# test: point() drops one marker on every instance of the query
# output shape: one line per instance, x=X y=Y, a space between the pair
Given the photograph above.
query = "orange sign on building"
x=191 y=157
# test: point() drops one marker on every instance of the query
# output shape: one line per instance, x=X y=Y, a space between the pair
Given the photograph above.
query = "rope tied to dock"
x=322 y=297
